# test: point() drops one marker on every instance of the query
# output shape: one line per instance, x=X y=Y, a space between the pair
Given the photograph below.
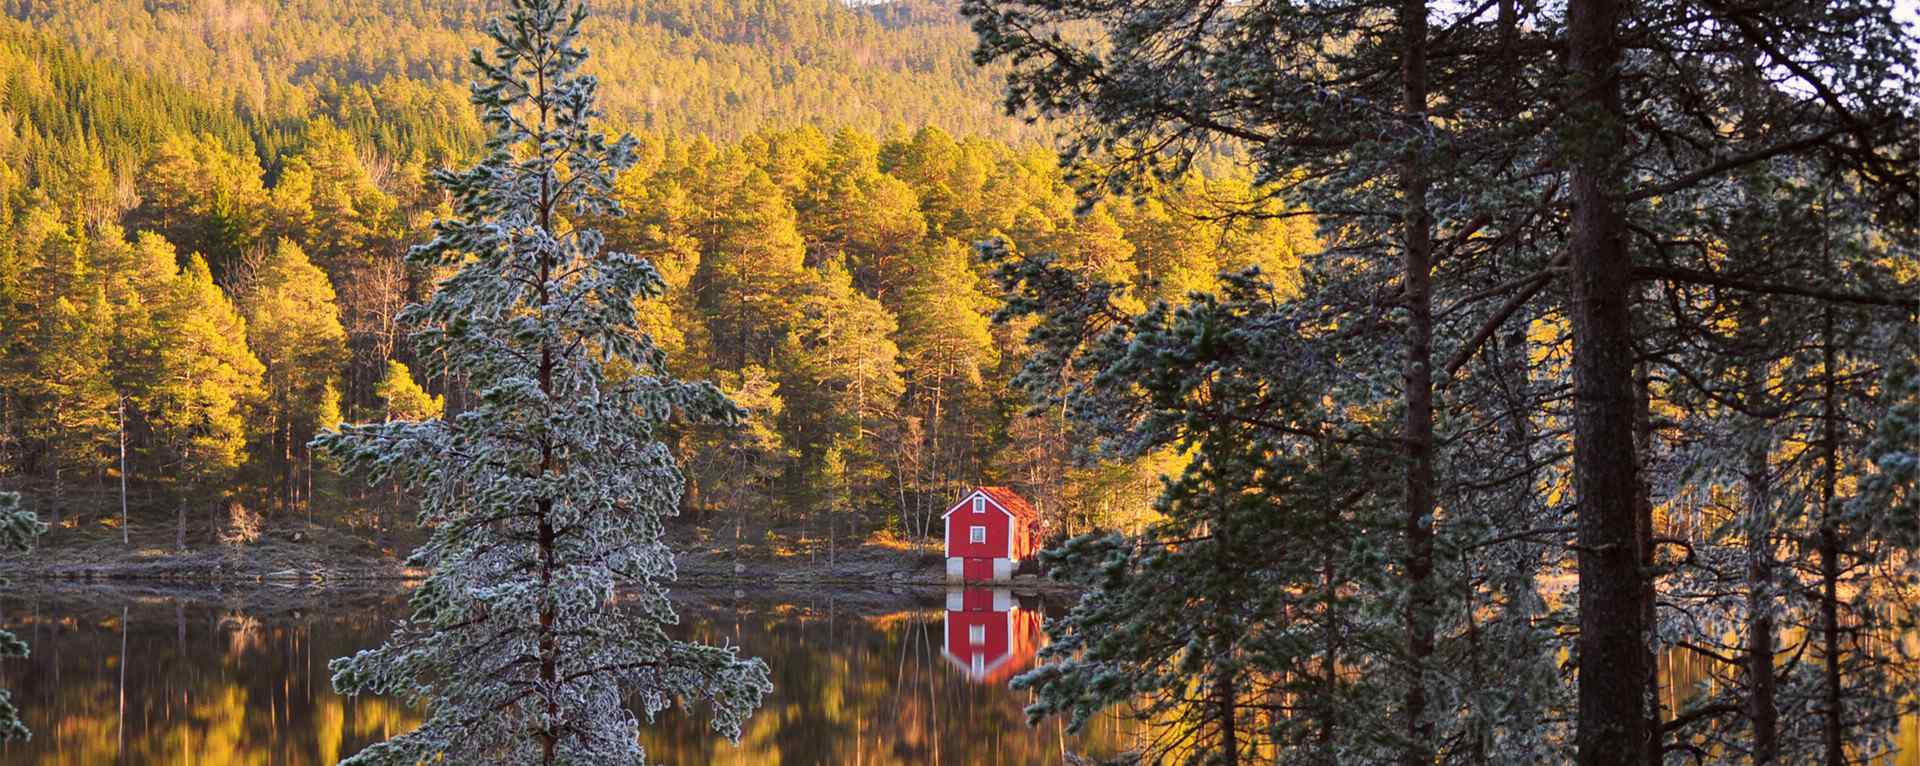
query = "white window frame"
x=976 y=534
x=976 y=634
x=979 y=504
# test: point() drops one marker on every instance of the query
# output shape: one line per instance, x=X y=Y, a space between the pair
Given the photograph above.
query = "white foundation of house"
x=1002 y=569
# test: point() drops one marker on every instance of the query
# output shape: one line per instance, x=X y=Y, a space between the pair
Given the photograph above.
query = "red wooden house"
x=989 y=532
x=988 y=635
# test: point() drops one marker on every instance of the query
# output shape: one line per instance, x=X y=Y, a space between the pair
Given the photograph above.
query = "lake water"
x=137 y=677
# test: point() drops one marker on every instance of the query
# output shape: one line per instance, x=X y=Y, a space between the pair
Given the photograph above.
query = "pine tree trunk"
x=1832 y=720
x=1510 y=358
x=1479 y=725
x=1762 y=711
x=934 y=448
x=1643 y=540
x=389 y=512
x=857 y=493
x=1226 y=635
x=124 y=534
x=59 y=494
x=1613 y=725
x=1417 y=441
x=180 y=526
x=1330 y=517
x=1226 y=710
x=695 y=500
x=900 y=482
x=286 y=456
x=1519 y=582
x=549 y=661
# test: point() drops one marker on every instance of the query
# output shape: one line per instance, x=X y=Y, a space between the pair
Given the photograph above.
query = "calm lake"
x=216 y=678
x=205 y=678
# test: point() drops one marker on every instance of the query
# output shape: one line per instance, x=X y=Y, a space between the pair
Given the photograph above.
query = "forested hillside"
x=190 y=291
x=396 y=75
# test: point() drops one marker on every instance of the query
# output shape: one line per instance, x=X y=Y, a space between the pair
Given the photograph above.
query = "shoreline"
x=104 y=600
x=863 y=567
x=349 y=579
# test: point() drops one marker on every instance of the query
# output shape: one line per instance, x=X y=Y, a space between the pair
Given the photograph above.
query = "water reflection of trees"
x=860 y=680
x=856 y=686
x=173 y=682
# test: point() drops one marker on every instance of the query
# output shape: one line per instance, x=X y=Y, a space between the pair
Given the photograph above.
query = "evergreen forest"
x=196 y=282
x=1396 y=381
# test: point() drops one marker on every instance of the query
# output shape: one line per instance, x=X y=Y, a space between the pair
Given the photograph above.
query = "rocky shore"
x=323 y=560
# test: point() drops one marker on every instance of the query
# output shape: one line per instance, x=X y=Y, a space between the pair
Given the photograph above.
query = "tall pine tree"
x=207 y=381
x=294 y=327
x=545 y=607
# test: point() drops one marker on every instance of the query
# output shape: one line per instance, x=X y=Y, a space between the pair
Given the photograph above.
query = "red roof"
x=1013 y=502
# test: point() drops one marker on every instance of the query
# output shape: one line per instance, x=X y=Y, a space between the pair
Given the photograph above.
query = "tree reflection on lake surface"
x=136 y=676
x=148 y=676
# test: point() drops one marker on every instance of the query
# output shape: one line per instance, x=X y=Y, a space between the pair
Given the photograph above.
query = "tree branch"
x=1698 y=277
x=1730 y=163
x=1532 y=287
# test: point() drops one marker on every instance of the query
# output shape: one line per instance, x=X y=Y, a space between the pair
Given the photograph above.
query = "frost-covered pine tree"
x=544 y=611
x=18 y=528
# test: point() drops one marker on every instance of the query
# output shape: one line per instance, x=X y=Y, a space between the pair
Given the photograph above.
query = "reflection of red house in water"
x=989 y=532
x=989 y=636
